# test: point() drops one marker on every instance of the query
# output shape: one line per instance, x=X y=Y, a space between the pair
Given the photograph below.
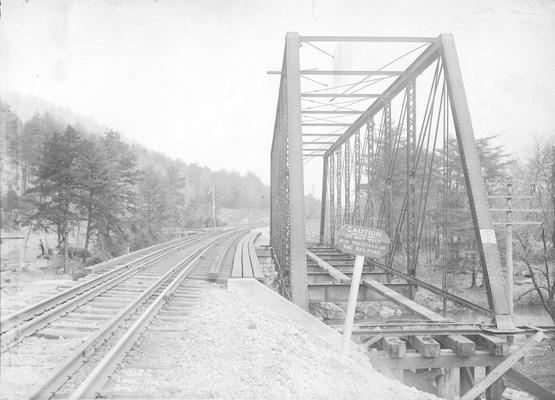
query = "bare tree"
x=537 y=245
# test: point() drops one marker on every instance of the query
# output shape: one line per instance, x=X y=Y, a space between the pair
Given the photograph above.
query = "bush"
x=77 y=252
x=95 y=260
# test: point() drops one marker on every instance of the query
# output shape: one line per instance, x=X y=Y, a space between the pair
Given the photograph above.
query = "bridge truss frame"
x=287 y=188
x=287 y=227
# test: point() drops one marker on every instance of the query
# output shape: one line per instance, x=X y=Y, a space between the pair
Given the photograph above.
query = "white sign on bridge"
x=359 y=241
x=362 y=241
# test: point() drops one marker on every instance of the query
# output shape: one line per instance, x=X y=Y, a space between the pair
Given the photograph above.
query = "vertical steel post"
x=339 y=211
x=388 y=165
x=388 y=155
x=445 y=107
x=299 y=289
x=347 y=182
x=368 y=219
x=356 y=208
x=509 y=243
x=485 y=235
x=279 y=193
x=332 y=198
x=323 y=199
x=411 y=183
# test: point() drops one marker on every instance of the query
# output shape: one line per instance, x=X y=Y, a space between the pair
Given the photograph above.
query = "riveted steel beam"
x=485 y=235
x=368 y=218
x=347 y=182
x=299 y=292
x=347 y=95
x=322 y=134
x=340 y=112
x=411 y=183
x=332 y=197
x=377 y=39
x=387 y=167
x=323 y=199
x=343 y=73
x=325 y=124
x=355 y=219
x=339 y=216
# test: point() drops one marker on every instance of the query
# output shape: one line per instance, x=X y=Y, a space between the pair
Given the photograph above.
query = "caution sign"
x=362 y=241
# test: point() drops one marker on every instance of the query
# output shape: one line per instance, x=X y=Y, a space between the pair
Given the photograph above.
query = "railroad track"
x=245 y=261
x=18 y=325
x=51 y=347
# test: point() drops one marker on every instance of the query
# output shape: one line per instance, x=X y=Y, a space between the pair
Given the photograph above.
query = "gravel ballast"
x=230 y=349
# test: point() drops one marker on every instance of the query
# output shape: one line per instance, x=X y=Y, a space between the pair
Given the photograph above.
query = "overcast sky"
x=188 y=78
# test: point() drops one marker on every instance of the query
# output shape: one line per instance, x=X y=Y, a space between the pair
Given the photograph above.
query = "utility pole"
x=214 y=205
x=509 y=223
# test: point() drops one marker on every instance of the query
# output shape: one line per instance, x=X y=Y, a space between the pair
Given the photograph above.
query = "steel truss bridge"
x=398 y=152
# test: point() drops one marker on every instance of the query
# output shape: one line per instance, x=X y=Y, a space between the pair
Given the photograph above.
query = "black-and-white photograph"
x=277 y=200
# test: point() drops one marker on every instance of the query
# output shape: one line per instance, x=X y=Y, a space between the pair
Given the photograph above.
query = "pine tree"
x=109 y=185
x=59 y=187
x=148 y=220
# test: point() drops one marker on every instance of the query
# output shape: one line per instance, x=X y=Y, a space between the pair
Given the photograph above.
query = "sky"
x=188 y=78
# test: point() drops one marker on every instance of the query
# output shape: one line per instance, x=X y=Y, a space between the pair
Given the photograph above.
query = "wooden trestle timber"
x=429 y=352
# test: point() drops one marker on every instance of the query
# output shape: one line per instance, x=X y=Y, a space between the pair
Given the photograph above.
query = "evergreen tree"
x=31 y=141
x=174 y=183
x=59 y=187
x=109 y=185
x=148 y=221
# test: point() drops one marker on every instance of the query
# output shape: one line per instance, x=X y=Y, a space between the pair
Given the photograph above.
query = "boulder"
x=327 y=310
x=368 y=310
x=510 y=394
x=387 y=312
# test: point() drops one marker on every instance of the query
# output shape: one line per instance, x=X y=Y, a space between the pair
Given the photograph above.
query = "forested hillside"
x=62 y=179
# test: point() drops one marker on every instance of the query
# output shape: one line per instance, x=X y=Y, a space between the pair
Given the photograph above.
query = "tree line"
x=533 y=184
x=58 y=178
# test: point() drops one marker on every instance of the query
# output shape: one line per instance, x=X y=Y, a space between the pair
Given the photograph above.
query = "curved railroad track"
x=50 y=348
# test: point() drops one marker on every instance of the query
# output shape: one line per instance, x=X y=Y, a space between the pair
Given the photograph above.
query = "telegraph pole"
x=214 y=205
x=508 y=224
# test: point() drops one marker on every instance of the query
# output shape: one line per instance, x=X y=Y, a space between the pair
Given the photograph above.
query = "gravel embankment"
x=229 y=349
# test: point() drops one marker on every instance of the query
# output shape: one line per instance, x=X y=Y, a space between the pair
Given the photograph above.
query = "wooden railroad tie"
x=395 y=347
x=426 y=345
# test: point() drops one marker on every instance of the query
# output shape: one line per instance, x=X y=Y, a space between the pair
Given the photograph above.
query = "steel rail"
x=35 y=314
x=217 y=264
x=439 y=329
x=15 y=336
x=434 y=289
x=108 y=263
x=76 y=359
x=98 y=377
x=417 y=331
